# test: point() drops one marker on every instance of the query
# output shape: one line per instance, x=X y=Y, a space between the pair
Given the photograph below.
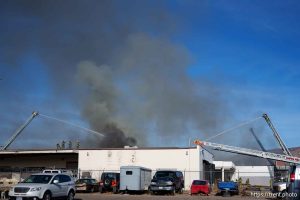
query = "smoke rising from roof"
x=125 y=73
x=148 y=88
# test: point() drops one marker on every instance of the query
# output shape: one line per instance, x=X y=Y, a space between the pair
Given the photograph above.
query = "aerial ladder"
x=277 y=136
x=249 y=152
x=32 y=116
x=287 y=157
x=19 y=130
x=275 y=133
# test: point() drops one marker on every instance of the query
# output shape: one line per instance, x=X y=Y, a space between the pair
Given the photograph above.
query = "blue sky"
x=248 y=50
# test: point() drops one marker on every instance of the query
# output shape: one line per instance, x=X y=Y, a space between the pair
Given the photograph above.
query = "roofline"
x=38 y=151
x=45 y=151
x=140 y=148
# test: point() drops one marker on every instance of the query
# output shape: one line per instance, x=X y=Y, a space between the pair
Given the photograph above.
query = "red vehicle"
x=200 y=187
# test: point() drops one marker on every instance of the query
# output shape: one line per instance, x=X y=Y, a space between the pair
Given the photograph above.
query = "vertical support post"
x=223 y=173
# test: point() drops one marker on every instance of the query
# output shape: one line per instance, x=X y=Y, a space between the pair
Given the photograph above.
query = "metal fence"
x=19 y=174
x=245 y=177
x=256 y=178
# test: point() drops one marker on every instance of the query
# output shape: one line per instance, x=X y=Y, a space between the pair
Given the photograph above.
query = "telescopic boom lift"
x=19 y=130
x=277 y=136
x=249 y=152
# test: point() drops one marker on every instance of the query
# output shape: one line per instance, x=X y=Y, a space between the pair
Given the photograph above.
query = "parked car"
x=60 y=171
x=87 y=185
x=44 y=186
x=227 y=188
x=110 y=181
x=167 y=181
x=200 y=187
x=279 y=185
x=294 y=183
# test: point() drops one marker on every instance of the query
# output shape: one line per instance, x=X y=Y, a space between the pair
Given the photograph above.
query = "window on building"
x=128 y=172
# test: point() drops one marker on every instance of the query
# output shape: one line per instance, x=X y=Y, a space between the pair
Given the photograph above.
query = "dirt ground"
x=108 y=196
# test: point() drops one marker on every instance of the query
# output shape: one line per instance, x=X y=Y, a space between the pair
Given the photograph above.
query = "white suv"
x=44 y=186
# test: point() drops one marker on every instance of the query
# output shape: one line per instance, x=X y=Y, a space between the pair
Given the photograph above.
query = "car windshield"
x=86 y=181
x=44 y=179
x=108 y=175
x=198 y=182
x=280 y=179
x=52 y=171
x=281 y=176
x=163 y=174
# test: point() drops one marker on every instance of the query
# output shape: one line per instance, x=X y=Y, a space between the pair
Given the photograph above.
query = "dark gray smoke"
x=116 y=62
x=148 y=88
x=114 y=137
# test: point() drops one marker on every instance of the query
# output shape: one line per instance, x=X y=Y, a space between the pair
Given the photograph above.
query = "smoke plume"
x=147 y=88
x=116 y=62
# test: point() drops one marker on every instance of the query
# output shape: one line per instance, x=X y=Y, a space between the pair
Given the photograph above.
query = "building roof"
x=139 y=148
x=47 y=151
x=37 y=151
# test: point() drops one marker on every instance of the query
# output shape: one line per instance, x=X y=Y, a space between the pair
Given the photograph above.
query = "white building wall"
x=227 y=165
x=188 y=160
x=257 y=175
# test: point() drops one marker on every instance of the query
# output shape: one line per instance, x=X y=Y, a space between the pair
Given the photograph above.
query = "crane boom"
x=277 y=136
x=250 y=152
x=19 y=130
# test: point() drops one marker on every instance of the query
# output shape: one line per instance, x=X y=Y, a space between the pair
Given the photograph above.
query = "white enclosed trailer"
x=134 y=178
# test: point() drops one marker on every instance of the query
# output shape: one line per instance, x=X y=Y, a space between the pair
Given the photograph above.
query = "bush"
x=247 y=182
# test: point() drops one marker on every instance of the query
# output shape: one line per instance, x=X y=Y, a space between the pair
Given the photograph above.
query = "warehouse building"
x=192 y=161
x=20 y=163
x=254 y=175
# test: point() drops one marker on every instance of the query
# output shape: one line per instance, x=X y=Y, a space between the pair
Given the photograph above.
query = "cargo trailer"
x=134 y=178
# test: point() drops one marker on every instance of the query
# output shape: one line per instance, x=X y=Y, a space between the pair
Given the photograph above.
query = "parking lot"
x=109 y=196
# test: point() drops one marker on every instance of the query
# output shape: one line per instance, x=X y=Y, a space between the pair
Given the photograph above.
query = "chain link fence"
x=254 y=178
x=245 y=177
x=19 y=174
